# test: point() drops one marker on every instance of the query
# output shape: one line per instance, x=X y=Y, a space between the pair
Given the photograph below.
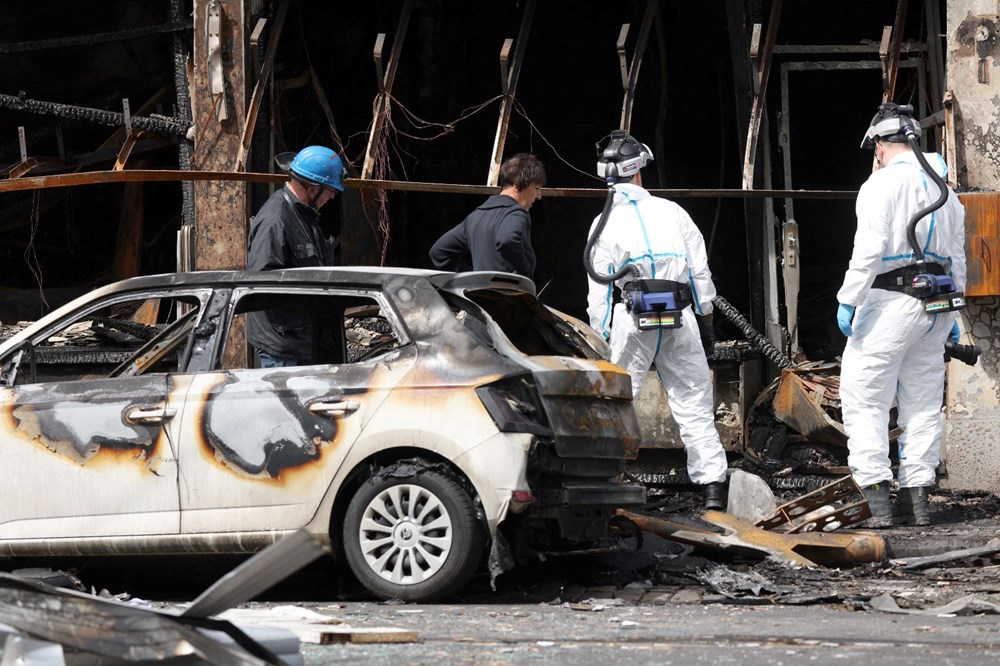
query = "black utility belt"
x=901 y=279
x=927 y=282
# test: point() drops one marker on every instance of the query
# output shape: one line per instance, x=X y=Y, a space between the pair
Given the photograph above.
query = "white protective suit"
x=897 y=349
x=659 y=237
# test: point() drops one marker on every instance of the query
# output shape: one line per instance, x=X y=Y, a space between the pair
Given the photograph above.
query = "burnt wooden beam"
x=136 y=175
x=633 y=70
x=220 y=205
x=897 y=40
x=509 y=87
x=385 y=82
x=760 y=88
x=263 y=79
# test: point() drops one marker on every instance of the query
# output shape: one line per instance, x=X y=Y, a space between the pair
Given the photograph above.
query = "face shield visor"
x=889 y=129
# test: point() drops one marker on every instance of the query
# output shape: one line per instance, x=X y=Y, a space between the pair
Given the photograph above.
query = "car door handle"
x=150 y=415
x=334 y=408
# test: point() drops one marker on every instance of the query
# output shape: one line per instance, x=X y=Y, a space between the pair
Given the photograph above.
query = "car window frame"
x=26 y=350
x=386 y=306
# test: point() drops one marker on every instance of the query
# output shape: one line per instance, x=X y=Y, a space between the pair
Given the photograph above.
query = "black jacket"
x=494 y=237
x=285 y=233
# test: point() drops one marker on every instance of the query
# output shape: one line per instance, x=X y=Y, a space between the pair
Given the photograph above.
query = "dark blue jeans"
x=268 y=361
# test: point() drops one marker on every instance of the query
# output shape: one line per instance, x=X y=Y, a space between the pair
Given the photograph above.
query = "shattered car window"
x=331 y=328
x=130 y=337
x=526 y=323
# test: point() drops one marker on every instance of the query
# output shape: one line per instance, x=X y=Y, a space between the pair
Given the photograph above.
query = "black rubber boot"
x=880 y=504
x=914 y=508
x=715 y=496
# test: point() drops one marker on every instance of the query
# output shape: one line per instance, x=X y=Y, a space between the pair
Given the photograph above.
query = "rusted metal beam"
x=504 y=68
x=258 y=31
x=130 y=138
x=622 y=57
x=633 y=70
x=757 y=110
x=883 y=57
x=510 y=90
x=140 y=175
x=260 y=85
x=385 y=86
x=897 y=39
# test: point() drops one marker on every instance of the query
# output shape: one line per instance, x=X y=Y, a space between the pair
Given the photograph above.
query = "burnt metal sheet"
x=741 y=536
x=835 y=505
x=982 y=243
x=800 y=406
x=111 y=629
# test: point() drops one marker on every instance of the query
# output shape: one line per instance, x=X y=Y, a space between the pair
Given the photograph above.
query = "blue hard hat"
x=314 y=164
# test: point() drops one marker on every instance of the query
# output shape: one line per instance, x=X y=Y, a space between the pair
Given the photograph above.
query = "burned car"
x=435 y=406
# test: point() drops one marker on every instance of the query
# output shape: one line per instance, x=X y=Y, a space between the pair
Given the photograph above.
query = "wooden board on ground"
x=313 y=627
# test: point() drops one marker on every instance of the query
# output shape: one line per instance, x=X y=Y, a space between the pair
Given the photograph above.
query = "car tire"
x=415 y=538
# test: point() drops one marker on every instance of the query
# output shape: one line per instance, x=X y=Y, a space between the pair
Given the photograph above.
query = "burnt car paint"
x=301 y=459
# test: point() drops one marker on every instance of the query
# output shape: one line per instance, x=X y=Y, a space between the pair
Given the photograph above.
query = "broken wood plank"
x=258 y=89
x=510 y=90
x=757 y=111
x=360 y=635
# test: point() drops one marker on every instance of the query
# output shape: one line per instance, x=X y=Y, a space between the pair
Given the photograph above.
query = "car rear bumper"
x=592 y=494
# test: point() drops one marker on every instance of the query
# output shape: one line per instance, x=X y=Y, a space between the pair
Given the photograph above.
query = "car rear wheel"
x=415 y=538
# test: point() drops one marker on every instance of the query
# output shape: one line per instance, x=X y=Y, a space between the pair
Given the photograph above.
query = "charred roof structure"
x=138 y=137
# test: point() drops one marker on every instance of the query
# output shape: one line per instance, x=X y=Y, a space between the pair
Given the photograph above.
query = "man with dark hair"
x=497 y=235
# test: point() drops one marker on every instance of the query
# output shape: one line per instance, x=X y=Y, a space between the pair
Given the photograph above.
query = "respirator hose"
x=911 y=228
x=588 y=261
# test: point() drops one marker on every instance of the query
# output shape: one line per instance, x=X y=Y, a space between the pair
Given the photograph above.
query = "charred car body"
x=435 y=407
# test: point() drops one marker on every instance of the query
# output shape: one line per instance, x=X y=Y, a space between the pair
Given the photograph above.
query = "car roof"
x=355 y=276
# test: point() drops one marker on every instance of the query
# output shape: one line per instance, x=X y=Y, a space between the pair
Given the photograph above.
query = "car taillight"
x=512 y=409
x=521 y=500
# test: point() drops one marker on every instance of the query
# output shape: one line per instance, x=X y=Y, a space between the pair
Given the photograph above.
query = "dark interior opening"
x=445 y=111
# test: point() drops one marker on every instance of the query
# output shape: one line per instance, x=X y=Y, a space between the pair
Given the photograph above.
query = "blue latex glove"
x=845 y=313
x=955 y=334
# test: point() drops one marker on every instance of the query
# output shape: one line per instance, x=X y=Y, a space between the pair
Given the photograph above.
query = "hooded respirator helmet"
x=622 y=157
x=894 y=123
